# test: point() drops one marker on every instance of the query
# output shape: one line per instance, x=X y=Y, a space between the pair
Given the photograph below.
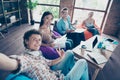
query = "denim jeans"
x=66 y=64
x=79 y=71
x=69 y=44
x=94 y=31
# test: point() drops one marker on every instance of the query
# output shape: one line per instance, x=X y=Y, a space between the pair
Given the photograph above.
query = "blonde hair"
x=91 y=13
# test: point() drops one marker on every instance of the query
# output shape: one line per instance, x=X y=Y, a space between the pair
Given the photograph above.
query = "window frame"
x=52 y=5
x=105 y=11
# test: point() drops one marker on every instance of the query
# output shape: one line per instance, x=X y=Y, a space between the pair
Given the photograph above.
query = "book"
x=60 y=42
x=97 y=57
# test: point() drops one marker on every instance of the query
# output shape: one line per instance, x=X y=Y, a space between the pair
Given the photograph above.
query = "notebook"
x=60 y=42
x=97 y=57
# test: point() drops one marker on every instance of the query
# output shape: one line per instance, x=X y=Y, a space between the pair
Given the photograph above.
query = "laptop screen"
x=94 y=42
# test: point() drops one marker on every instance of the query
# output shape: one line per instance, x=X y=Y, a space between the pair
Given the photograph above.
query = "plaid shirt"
x=36 y=66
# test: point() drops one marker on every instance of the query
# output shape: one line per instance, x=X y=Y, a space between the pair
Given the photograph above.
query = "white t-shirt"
x=66 y=24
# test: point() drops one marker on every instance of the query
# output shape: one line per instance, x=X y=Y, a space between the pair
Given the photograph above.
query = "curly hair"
x=28 y=34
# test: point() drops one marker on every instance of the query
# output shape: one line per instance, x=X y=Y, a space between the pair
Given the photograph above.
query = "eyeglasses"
x=65 y=13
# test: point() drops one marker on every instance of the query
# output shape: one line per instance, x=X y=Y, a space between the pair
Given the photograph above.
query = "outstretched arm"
x=7 y=63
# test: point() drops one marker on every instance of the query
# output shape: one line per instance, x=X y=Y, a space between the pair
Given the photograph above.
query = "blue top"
x=61 y=26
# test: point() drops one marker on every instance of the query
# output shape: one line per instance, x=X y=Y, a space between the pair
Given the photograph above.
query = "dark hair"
x=42 y=18
x=65 y=8
x=28 y=34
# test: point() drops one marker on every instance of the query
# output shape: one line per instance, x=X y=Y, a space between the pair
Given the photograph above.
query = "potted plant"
x=32 y=5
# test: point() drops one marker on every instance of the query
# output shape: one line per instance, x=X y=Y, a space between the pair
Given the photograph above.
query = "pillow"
x=49 y=52
x=56 y=33
x=87 y=34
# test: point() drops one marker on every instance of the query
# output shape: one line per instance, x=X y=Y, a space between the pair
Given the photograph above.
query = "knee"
x=82 y=62
x=70 y=40
x=69 y=44
x=69 y=53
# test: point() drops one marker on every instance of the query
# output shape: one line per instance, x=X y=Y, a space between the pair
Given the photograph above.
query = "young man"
x=64 y=23
x=36 y=67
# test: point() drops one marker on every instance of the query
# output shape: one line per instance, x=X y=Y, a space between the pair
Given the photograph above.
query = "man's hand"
x=72 y=30
x=69 y=31
x=61 y=53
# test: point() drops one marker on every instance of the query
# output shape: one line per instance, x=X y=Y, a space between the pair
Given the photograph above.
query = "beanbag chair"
x=17 y=77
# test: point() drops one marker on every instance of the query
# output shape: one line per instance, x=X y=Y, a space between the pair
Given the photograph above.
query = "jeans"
x=66 y=64
x=69 y=44
x=94 y=31
x=79 y=71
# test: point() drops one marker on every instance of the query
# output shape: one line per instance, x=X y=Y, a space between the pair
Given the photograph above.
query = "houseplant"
x=32 y=5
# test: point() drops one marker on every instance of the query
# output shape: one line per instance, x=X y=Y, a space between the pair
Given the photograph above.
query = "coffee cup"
x=83 y=48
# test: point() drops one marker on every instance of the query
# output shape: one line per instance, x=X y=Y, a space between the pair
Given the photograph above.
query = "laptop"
x=91 y=43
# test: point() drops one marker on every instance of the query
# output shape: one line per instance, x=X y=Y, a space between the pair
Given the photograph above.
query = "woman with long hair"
x=48 y=35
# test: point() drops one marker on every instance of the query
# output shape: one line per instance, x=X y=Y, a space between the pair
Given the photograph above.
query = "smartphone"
x=110 y=40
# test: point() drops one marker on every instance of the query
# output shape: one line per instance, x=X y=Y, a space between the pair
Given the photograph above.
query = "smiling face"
x=34 y=42
x=64 y=13
x=48 y=19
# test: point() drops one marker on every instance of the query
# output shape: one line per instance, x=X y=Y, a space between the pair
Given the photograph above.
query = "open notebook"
x=97 y=57
x=60 y=42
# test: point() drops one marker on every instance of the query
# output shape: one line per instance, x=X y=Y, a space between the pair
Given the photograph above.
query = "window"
x=92 y=4
x=81 y=15
x=55 y=2
x=83 y=7
x=46 y=5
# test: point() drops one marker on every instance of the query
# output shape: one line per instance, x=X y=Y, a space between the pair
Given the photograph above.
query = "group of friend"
x=41 y=61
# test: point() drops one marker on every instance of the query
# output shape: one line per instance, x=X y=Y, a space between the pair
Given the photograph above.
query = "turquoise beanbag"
x=17 y=77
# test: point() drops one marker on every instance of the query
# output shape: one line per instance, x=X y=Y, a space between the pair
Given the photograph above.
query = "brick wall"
x=112 y=26
x=69 y=4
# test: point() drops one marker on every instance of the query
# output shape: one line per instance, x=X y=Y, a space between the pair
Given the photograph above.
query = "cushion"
x=56 y=33
x=87 y=34
x=17 y=77
x=49 y=52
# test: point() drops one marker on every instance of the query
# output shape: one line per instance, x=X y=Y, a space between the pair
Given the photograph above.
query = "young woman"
x=49 y=36
x=90 y=25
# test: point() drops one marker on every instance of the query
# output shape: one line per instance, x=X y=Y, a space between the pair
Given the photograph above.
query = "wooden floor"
x=13 y=42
